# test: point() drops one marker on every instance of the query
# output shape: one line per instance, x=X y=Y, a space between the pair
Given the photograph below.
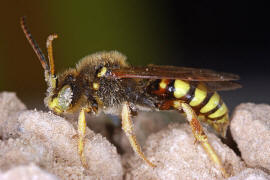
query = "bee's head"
x=58 y=98
x=65 y=93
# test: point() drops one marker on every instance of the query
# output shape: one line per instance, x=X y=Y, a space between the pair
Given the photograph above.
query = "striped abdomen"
x=207 y=105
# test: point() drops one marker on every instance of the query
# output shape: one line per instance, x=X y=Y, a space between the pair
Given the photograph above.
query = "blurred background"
x=230 y=36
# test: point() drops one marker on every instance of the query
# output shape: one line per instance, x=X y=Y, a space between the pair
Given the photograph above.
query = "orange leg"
x=198 y=132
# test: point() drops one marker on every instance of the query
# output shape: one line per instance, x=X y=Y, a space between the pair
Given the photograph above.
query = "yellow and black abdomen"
x=208 y=105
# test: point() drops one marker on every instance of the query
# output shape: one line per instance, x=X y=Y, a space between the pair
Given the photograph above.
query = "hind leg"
x=196 y=129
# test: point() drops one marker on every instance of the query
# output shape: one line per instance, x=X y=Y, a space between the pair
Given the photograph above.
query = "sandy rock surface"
x=43 y=145
x=250 y=129
x=10 y=108
x=145 y=124
x=175 y=154
x=28 y=172
x=50 y=142
x=251 y=174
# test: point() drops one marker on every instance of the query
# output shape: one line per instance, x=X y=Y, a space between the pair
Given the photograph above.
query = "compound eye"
x=65 y=97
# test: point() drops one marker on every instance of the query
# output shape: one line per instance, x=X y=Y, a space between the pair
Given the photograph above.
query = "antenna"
x=34 y=44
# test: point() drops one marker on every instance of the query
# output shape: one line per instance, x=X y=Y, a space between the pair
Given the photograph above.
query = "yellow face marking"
x=181 y=88
x=95 y=86
x=102 y=72
x=163 y=84
x=199 y=96
x=220 y=112
x=53 y=105
x=212 y=103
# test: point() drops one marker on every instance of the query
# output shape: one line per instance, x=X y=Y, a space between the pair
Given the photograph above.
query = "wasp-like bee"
x=105 y=82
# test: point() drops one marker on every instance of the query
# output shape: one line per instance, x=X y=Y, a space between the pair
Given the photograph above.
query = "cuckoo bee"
x=104 y=81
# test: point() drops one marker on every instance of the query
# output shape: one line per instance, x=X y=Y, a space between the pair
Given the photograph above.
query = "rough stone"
x=28 y=172
x=50 y=142
x=250 y=129
x=251 y=174
x=10 y=107
x=175 y=154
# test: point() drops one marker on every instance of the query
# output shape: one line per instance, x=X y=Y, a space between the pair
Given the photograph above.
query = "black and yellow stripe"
x=204 y=103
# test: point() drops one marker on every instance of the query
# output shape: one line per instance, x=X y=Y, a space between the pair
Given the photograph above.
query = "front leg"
x=127 y=126
x=81 y=134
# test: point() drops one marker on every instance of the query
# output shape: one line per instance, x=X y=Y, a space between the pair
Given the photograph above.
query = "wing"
x=222 y=85
x=172 y=72
x=215 y=81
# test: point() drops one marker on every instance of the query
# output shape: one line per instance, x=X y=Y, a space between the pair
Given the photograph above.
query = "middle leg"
x=127 y=126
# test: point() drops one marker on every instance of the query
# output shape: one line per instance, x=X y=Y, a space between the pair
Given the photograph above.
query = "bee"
x=105 y=82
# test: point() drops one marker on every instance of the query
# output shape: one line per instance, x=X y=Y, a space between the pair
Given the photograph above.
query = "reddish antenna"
x=34 y=45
